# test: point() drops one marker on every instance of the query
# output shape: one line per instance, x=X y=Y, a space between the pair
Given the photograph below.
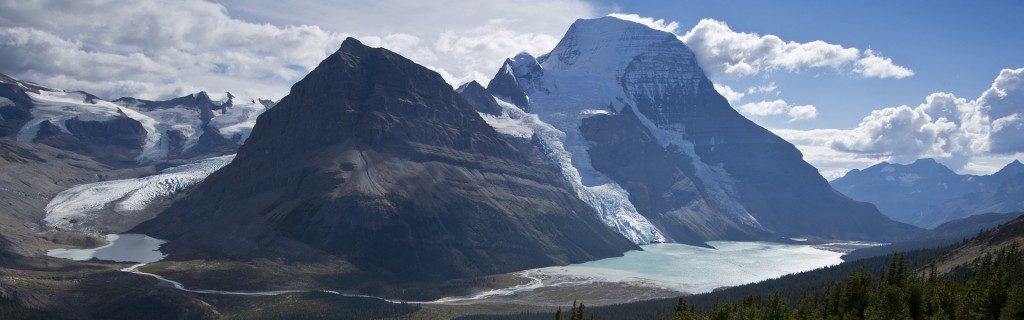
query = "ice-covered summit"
x=606 y=62
x=608 y=45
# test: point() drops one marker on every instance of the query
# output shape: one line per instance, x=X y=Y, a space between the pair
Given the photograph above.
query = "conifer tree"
x=1014 y=308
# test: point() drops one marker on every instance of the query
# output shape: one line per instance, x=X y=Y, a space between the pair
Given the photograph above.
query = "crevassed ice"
x=609 y=199
x=88 y=201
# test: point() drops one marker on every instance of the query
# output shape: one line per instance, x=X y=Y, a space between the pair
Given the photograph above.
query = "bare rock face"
x=479 y=98
x=376 y=160
x=14 y=106
x=661 y=184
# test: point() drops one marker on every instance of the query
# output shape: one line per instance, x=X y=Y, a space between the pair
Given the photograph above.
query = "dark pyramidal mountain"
x=377 y=161
x=641 y=119
x=926 y=193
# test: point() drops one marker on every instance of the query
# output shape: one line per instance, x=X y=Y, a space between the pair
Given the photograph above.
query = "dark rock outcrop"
x=374 y=159
x=505 y=86
x=479 y=98
x=117 y=141
x=16 y=113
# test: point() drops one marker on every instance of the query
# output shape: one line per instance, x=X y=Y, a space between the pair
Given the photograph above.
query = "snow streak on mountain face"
x=610 y=200
x=603 y=66
x=77 y=208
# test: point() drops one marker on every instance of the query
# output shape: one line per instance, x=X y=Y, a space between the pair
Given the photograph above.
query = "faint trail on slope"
x=534 y=283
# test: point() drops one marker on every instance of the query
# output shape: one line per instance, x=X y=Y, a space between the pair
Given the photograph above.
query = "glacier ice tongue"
x=609 y=199
x=74 y=208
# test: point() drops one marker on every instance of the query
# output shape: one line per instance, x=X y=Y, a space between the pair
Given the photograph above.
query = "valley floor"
x=660 y=271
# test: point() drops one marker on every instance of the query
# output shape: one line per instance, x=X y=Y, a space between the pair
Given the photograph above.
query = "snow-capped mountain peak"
x=623 y=80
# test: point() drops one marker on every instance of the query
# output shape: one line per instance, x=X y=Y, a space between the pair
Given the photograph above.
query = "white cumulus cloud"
x=158 y=49
x=764 y=88
x=873 y=65
x=804 y=112
x=731 y=95
x=723 y=51
x=958 y=132
x=779 y=107
x=656 y=24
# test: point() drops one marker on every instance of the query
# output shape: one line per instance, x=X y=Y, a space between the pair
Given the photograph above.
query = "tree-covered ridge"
x=989 y=288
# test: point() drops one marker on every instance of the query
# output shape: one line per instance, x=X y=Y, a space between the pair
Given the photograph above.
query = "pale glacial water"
x=691 y=269
x=120 y=248
x=677 y=267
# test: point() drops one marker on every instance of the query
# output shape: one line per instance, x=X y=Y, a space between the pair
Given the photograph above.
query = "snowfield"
x=238 y=119
x=74 y=208
x=59 y=106
x=233 y=118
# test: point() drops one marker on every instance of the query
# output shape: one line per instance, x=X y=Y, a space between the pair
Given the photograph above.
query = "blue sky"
x=840 y=73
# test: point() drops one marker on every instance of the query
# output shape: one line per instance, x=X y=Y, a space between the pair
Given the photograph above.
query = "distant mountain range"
x=926 y=193
x=126 y=131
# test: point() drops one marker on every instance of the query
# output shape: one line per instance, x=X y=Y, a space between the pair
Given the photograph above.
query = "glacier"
x=77 y=207
x=233 y=118
x=238 y=119
x=609 y=199
x=57 y=106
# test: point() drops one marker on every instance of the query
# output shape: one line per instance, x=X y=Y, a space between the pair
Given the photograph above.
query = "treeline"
x=990 y=288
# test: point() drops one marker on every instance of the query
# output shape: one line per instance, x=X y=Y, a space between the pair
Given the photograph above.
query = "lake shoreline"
x=659 y=271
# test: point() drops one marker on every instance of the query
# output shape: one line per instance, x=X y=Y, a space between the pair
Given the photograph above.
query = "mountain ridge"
x=927 y=193
x=416 y=185
x=125 y=132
